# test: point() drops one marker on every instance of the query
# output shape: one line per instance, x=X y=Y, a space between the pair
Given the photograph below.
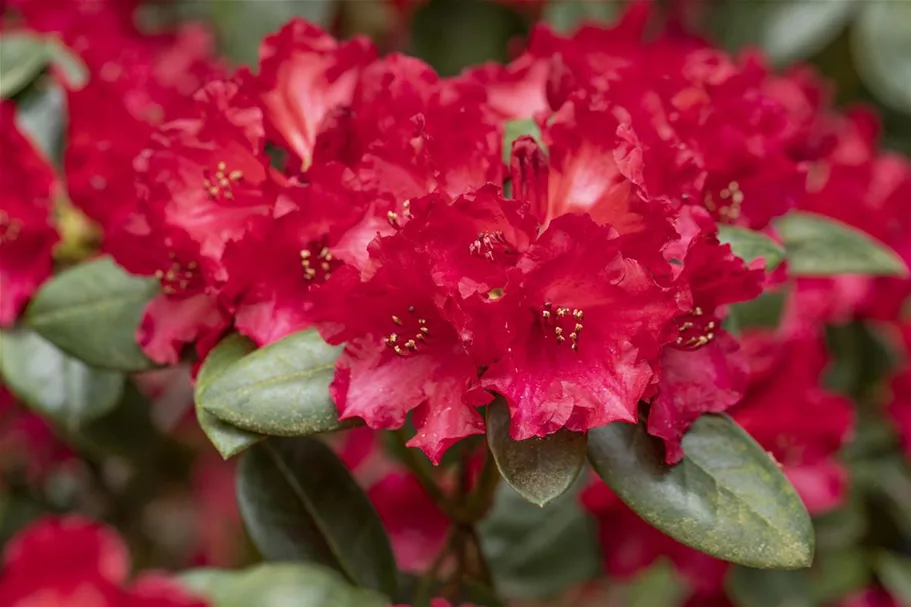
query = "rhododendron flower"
x=61 y=562
x=205 y=182
x=27 y=235
x=702 y=370
x=403 y=352
x=304 y=74
x=584 y=319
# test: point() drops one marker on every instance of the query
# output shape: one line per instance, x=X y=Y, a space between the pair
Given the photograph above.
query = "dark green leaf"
x=23 y=57
x=748 y=587
x=515 y=129
x=126 y=431
x=566 y=16
x=534 y=552
x=727 y=497
x=749 y=245
x=820 y=246
x=894 y=572
x=278 y=585
x=55 y=385
x=91 y=311
x=762 y=312
x=228 y=440
x=539 y=469
x=299 y=502
x=280 y=390
x=881 y=46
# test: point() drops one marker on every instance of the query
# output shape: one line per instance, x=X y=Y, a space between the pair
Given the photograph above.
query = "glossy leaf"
x=278 y=585
x=228 y=440
x=894 y=572
x=535 y=553
x=515 y=129
x=819 y=246
x=539 y=469
x=748 y=587
x=299 y=502
x=57 y=386
x=91 y=311
x=24 y=56
x=727 y=497
x=749 y=245
x=281 y=390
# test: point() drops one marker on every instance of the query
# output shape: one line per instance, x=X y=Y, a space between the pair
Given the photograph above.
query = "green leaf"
x=787 y=30
x=881 y=45
x=228 y=440
x=280 y=390
x=726 y=498
x=515 y=129
x=539 y=469
x=535 y=553
x=837 y=574
x=894 y=572
x=126 y=431
x=24 y=57
x=299 y=502
x=749 y=245
x=748 y=587
x=58 y=387
x=819 y=246
x=74 y=70
x=565 y=16
x=278 y=585
x=91 y=311
x=658 y=585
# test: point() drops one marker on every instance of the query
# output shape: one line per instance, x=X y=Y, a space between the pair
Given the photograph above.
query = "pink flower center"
x=9 y=228
x=318 y=262
x=180 y=278
x=696 y=329
x=566 y=324
x=727 y=208
x=220 y=185
x=411 y=333
x=490 y=245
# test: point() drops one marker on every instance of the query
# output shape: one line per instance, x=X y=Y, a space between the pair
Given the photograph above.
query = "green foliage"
x=881 y=45
x=228 y=440
x=278 y=585
x=24 y=57
x=280 y=390
x=57 y=386
x=91 y=311
x=537 y=552
x=726 y=498
x=539 y=469
x=515 y=129
x=750 y=245
x=300 y=503
x=819 y=246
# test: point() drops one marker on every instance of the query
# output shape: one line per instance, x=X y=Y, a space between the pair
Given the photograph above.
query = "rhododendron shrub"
x=619 y=321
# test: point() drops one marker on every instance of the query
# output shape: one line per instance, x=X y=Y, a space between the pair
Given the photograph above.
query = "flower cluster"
x=576 y=282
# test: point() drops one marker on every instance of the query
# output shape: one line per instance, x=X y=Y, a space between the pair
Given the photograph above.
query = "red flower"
x=303 y=248
x=703 y=371
x=801 y=425
x=584 y=319
x=304 y=74
x=27 y=442
x=403 y=352
x=27 y=236
x=416 y=526
x=61 y=562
